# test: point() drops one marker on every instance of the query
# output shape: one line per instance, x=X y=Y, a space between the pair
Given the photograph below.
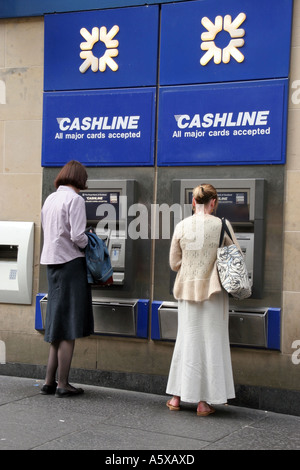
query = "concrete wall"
x=21 y=79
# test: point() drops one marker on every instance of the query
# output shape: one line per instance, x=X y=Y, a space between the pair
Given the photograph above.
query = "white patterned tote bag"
x=232 y=269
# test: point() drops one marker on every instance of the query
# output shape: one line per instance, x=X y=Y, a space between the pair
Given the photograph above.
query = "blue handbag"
x=99 y=269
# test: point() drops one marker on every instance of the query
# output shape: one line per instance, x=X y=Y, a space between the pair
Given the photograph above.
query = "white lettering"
x=242 y=118
x=122 y=122
x=180 y=123
x=296 y=354
x=61 y=123
x=86 y=124
x=116 y=460
x=262 y=118
x=98 y=123
x=220 y=119
x=75 y=125
x=2 y=92
x=249 y=119
x=195 y=121
x=296 y=94
x=133 y=122
x=207 y=120
x=138 y=227
x=2 y=353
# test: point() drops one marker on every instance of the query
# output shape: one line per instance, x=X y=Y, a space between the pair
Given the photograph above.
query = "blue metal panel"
x=155 y=330
x=18 y=8
x=223 y=124
x=274 y=328
x=143 y=318
x=81 y=54
x=259 y=33
x=108 y=127
x=38 y=313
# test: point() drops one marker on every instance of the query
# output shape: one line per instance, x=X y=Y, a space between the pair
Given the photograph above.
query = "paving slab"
x=113 y=420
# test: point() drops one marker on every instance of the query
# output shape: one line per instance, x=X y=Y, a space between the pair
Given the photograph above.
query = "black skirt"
x=69 y=308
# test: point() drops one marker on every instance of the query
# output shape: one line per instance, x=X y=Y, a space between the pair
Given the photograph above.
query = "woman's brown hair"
x=74 y=174
x=204 y=193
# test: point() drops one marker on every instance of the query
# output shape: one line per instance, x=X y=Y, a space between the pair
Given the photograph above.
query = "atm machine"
x=242 y=202
x=16 y=262
x=107 y=203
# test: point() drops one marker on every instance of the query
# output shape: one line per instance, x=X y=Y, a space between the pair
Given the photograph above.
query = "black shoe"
x=48 y=389
x=64 y=392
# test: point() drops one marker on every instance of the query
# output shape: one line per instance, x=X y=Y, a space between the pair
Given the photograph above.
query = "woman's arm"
x=175 y=255
x=78 y=222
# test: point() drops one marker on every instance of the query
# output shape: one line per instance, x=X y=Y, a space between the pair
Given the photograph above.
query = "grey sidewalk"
x=117 y=420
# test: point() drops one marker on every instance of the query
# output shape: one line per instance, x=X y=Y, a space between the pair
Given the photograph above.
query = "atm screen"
x=233 y=204
x=94 y=199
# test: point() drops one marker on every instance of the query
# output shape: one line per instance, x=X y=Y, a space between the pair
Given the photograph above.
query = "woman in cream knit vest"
x=201 y=370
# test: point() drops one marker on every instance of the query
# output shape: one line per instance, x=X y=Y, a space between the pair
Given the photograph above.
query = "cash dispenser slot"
x=111 y=317
x=119 y=317
x=9 y=252
x=246 y=242
x=9 y=266
x=167 y=318
x=257 y=327
x=248 y=327
x=115 y=317
x=116 y=248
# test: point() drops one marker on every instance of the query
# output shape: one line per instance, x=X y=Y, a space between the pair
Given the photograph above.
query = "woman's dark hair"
x=74 y=174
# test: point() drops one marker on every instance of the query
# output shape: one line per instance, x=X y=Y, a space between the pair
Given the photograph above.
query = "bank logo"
x=111 y=44
x=231 y=50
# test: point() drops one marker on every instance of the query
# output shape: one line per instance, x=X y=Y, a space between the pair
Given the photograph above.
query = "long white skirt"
x=201 y=367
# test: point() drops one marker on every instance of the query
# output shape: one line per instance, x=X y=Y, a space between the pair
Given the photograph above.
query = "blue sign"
x=101 y=49
x=21 y=8
x=223 y=124
x=105 y=128
x=211 y=41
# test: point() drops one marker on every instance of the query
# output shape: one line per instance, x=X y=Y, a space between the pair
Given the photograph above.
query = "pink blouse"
x=64 y=223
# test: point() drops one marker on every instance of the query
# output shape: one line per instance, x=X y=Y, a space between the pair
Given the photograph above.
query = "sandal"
x=172 y=407
x=207 y=412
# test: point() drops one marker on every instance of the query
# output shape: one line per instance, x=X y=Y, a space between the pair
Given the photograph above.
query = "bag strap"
x=224 y=229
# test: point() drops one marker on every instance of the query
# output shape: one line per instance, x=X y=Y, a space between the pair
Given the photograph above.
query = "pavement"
x=131 y=427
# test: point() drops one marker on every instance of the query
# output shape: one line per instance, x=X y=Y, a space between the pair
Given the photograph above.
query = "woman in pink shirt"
x=69 y=307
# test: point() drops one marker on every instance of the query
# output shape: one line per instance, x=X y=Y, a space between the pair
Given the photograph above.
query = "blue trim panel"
x=142 y=318
x=155 y=330
x=274 y=328
x=38 y=313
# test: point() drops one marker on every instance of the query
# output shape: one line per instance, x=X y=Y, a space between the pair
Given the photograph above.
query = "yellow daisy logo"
x=232 y=49
x=111 y=51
